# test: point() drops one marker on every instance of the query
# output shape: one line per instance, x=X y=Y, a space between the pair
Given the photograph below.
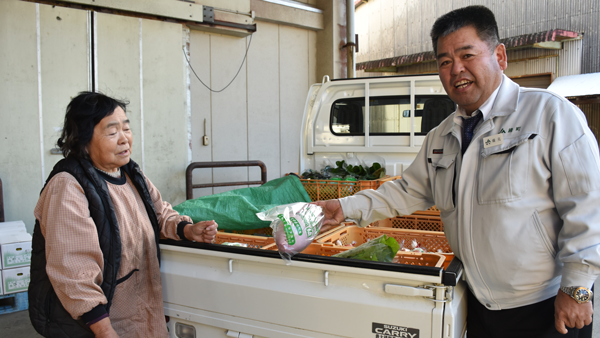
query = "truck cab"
x=371 y=119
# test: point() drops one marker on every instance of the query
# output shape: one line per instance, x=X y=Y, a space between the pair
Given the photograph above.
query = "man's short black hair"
x=479 y=17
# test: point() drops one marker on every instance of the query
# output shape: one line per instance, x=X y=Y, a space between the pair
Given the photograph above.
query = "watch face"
x=582 y=295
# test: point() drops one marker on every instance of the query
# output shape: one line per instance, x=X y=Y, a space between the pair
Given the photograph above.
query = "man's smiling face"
x=469 y=69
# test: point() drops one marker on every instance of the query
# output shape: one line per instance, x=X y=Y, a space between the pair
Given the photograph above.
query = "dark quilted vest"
x=47 y=314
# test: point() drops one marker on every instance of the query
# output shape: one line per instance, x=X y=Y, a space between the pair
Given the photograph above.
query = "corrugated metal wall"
x=592 y=113
x=563 y=62
x=405 y=25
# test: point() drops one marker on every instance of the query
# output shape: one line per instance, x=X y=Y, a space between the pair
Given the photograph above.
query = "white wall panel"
x=201 y=108
x=20 y=156
x=293 y=48
x=64 y=63
x=142 y=61
x=118 y=69
x=229 y=110
x=165 y=112
x=263 y=100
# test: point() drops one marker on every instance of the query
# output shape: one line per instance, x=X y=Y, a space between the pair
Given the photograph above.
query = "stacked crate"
x=15 y=256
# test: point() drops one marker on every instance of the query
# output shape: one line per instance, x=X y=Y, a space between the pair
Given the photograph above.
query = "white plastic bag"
x=294 y=226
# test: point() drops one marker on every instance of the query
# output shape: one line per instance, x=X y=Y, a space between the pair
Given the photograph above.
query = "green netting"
x=236 y=209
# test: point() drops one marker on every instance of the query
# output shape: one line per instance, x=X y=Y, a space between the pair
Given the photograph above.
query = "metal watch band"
x=570 y=290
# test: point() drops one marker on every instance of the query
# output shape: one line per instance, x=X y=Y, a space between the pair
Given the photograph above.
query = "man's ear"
x=500 y=52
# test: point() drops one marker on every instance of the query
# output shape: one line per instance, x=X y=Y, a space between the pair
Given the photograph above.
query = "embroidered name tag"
x=493 y=140
x=438 y=151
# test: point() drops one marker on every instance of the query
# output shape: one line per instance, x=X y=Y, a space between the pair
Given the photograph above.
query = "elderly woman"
x=95 y=262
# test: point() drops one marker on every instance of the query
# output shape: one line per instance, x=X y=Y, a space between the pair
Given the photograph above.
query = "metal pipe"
x=1 y=204
x=350 y=40
x=189 y=186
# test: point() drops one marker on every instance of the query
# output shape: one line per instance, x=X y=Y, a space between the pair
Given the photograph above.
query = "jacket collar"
x=505 y=104
x=507 y=99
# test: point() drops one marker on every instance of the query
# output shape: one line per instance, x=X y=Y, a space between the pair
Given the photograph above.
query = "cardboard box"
x=13 y=226
x=15 y=280
x=15 y=254
x=15 y=249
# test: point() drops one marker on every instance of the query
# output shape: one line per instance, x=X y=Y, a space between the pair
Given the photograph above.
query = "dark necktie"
x=468 y=129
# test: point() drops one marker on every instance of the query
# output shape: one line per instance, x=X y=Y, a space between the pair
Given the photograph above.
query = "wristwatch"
x=579 y=293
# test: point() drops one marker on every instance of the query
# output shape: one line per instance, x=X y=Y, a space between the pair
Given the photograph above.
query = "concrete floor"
x=17 y=324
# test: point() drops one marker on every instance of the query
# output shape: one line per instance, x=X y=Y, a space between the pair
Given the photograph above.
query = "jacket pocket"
x=543 y=235
x=504 y=170
x=127 y=276
x=443 y=182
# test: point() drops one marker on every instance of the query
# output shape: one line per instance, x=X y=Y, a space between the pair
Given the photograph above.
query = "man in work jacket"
x=518 y=203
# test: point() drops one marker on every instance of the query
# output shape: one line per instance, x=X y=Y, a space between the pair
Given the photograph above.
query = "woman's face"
x=110 y=147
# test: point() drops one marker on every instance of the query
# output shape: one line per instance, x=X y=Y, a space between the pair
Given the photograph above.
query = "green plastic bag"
x=380 y=249
x=237 y=209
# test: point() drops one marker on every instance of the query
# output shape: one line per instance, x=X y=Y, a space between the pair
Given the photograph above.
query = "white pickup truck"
x=213 y=290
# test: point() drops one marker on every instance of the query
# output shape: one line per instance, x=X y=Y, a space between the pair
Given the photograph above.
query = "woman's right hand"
x=103 y=329
x=203 y=232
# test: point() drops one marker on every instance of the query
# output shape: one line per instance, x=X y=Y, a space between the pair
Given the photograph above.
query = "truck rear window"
x=389 y=115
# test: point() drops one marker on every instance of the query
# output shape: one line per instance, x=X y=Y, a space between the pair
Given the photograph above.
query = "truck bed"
x=224 y=291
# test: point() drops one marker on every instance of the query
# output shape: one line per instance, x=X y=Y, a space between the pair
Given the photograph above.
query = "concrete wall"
x=46 y=58
x=258 y=116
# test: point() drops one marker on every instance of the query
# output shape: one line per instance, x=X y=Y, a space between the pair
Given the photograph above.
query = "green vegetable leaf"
x=380 y=249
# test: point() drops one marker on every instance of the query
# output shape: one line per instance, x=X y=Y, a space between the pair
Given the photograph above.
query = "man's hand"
x=203 y=232
x=570 y=313
x=332 y=209
x=103 y=329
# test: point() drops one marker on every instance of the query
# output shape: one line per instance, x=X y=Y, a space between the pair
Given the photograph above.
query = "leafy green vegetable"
x=347 y=172
x=380 y=249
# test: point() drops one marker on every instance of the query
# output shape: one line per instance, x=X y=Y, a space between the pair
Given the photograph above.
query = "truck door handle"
x=403 y=290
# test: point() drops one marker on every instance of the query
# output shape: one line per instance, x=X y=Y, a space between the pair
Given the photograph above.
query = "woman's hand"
x=203 y=232
x=103 y=329
x=334 y=215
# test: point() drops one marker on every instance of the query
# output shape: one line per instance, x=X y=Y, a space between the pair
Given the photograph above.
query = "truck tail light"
x=185 y=331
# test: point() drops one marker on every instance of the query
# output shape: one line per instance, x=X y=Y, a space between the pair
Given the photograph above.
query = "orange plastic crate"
x=255 y=232
x=320 y=190
x=353 y=235
x=340 y=226
x=316 y=249
x=433 y=211
x=409 y=258
x=420 y=259
x=414 y=222
x=255 y=242
x=268 y=231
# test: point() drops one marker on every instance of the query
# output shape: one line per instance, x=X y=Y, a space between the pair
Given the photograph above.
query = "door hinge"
x=436 y=293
